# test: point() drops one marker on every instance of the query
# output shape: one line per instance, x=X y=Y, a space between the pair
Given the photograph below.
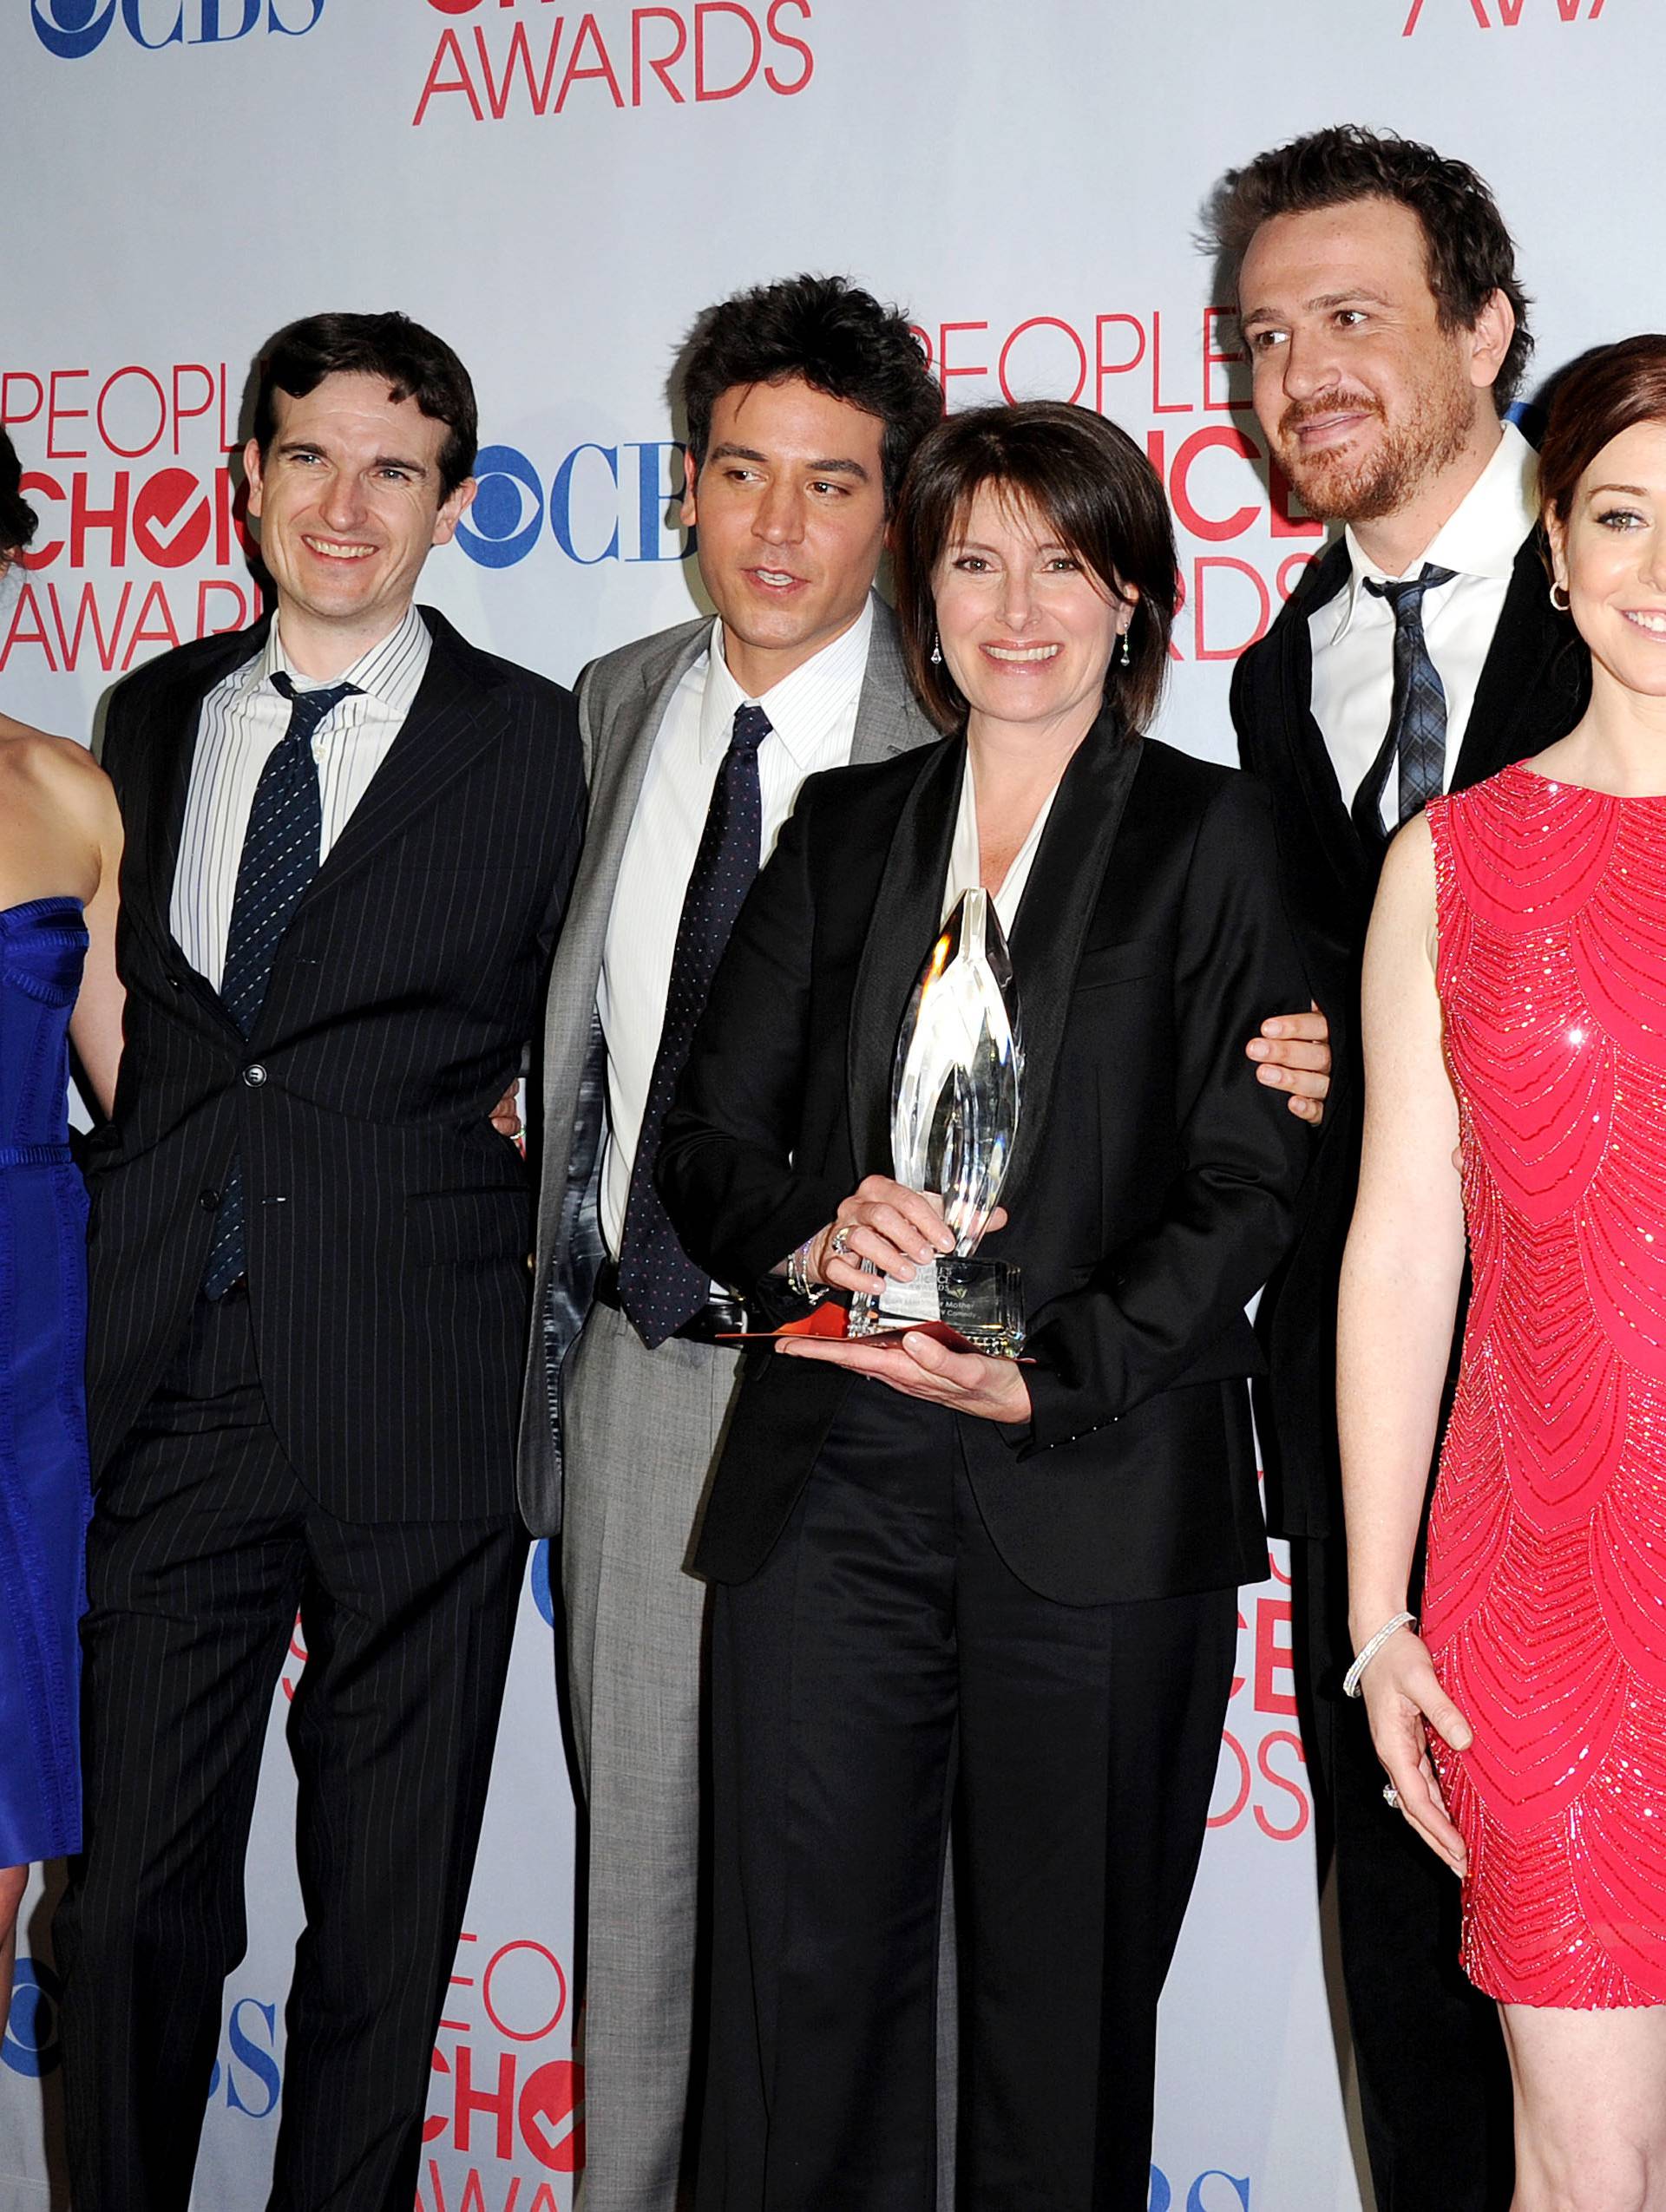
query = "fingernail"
x=1258 y=1048
x=901 y=1273
x=1272 y=1029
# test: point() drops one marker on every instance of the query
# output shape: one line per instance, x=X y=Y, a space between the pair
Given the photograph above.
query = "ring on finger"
x=839 y=1245
x=1391 y=1797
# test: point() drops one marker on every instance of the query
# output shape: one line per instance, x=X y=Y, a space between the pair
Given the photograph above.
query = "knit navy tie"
x=279 y=859
x=1417 y=720
x=660 y=1287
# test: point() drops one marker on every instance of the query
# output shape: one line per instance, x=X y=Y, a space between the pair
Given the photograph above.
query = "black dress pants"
x=204 y=1545
x=882 y=1643
x=1429 y=2052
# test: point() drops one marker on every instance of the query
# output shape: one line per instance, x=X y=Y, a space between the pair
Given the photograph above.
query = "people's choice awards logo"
x=74 y=29
x=136 y=497
x=495 y=2102
x=495 y=71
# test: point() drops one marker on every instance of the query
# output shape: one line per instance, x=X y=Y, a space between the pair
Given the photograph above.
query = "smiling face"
x=1365 y=399
x=348 y=500
x=790 y=503
x=1609 y=556
x=1026 y=626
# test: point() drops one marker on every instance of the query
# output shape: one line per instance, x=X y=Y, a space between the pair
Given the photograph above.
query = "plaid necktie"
x=1417 y=720
x=279 y=859
x=660 y=1286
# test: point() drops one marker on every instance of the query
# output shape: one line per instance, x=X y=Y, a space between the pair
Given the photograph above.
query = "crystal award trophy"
x=953 y=1117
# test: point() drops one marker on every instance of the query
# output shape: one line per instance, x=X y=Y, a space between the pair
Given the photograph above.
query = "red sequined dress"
x=1545 y=1599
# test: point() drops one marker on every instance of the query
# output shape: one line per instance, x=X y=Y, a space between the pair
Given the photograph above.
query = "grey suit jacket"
x=622 y=700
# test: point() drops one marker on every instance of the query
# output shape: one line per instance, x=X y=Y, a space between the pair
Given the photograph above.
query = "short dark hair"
x=1611 y=389
x=1092 y=485
x=828 y=331
x=416 y=364
x=1470 y=253
x=17 y=517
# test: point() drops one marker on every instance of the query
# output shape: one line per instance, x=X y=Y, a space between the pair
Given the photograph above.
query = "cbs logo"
x=74 y=29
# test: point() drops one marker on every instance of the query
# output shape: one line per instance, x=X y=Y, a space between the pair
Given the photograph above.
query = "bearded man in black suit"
x=1386 y=332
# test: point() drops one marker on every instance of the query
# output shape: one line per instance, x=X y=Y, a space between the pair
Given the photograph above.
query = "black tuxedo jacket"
x=1152 y=1180
x=387 y=1223
x=1534 y=689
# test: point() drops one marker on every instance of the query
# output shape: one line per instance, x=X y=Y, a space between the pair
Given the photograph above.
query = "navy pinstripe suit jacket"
x=388 y=1225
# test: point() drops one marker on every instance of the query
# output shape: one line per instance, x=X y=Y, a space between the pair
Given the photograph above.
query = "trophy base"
x=981 y=1300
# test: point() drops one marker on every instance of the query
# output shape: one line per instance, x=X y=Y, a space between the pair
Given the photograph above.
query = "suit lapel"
x=616 y=783
x=903 y=928
x=1533 y=682
x=1315 y=771
x=890 y=720
x=1052 y=918
x=451 y=724
x=175 y=718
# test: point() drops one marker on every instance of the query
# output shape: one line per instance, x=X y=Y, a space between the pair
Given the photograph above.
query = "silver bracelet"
x=1351 y=1679
x=798 y=1281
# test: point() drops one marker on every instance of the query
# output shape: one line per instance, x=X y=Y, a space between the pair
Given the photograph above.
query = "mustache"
x=1336 y=402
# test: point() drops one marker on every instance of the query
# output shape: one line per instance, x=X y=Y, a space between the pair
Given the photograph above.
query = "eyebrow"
x=382 y=459
x=1631 y=491
x=1044 y=545
x=812 y=468
x=1321 y=301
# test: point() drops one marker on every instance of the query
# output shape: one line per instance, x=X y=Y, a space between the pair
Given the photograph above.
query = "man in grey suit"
x=804 y=400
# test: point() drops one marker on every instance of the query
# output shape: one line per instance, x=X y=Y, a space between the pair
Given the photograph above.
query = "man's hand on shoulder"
x=1292 y=1054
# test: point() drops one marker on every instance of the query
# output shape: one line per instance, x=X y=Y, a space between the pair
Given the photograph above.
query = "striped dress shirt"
x=243 y=720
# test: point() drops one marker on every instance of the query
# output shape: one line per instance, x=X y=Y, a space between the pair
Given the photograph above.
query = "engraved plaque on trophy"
x=954 y=1097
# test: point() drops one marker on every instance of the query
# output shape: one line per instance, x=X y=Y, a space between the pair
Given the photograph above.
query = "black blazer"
x=388 y=1224
x=1534 y=689
x=1152 y=1180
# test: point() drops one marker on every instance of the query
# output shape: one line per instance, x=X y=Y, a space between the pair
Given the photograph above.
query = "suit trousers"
x=205 y=1543
x=1429 y=2051
x=641 y=1435
x=884 y=1638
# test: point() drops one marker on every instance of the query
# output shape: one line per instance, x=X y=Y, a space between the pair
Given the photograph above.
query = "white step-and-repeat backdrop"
x=559 y=191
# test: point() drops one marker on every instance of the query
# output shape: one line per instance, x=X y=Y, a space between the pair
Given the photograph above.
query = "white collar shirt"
x=242 y=721
x=966 y=857
x=812 y=715
x=1352 y=634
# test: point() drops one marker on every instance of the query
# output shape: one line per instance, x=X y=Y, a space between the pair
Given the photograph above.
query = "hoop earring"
x=936 y=650
x=1565 y=603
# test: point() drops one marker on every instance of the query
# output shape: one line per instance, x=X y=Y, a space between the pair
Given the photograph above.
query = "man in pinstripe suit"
x=350 y=840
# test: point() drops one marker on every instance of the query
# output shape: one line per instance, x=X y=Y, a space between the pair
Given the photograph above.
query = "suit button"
x=209 y=1200
x=174 y=984
x=254 y=1076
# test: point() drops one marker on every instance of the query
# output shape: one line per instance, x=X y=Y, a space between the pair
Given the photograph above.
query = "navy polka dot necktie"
x=1417 y=720
x=279 y=859
x=660 y=1287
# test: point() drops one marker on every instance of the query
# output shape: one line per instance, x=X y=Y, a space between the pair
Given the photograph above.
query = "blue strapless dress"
x=44 y=1498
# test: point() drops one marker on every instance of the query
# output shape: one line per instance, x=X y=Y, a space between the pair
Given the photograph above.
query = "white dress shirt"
x=1352 y=635
x=243 y=721
x=812 y=726
x=966 y=859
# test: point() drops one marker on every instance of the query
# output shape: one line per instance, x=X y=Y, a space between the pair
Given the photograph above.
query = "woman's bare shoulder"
x=62 y=771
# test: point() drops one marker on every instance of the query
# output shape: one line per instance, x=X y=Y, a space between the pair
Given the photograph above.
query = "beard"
x=1340 y=487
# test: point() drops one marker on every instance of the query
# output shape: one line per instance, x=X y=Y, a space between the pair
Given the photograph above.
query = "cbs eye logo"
x=71 y=29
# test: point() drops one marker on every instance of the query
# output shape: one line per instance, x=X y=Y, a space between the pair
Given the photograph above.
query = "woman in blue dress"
x=60 y=843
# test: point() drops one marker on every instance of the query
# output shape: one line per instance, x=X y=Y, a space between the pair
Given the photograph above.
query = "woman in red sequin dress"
x=1515 y=1006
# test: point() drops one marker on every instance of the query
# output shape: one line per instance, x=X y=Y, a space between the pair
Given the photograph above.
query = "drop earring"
x=936 y=650
x=1126 y=655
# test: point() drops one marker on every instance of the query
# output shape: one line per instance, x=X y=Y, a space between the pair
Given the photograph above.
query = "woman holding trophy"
x=1009 y=1574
